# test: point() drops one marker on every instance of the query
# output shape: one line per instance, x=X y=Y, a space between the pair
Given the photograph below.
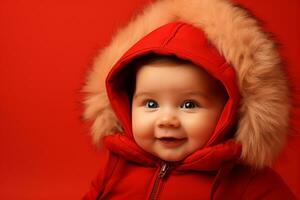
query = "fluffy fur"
x=264 y=110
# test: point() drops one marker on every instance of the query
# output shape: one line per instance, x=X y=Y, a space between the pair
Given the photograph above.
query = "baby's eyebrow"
x=195 y=93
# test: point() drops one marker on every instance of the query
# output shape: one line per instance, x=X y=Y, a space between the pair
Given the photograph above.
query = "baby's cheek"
x=140 y=129
x=144 y=140
x=136 y=121
x=199 y=127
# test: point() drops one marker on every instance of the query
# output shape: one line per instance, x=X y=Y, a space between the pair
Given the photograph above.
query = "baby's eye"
x=189 y=104
x=151 y=104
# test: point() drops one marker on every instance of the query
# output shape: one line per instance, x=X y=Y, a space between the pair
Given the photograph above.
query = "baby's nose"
x=168 y=121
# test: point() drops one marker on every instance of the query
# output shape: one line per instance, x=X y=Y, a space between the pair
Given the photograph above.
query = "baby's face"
x=175 y=109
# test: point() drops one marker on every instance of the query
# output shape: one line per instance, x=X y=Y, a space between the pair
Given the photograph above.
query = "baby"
x=187 y=117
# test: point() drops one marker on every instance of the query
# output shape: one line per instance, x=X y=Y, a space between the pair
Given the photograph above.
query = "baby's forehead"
x=167 y=64
x=170 y=64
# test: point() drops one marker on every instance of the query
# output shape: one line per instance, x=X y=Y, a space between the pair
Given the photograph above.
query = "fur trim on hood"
x=264 y=109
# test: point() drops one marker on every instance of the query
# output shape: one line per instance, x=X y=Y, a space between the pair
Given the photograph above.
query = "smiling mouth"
x=171 y=141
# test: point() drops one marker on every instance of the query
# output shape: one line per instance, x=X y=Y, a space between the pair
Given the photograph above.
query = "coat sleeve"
x=97 y=184
x=267 y=185
x=244 y=183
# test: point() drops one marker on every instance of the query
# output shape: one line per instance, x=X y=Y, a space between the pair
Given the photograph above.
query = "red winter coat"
x=146 y=179
x=249 y=133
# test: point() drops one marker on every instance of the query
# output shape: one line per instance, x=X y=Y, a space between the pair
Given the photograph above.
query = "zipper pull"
x=163 y=169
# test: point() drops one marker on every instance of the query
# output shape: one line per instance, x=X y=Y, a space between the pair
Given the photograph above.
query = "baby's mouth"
x=171 y=141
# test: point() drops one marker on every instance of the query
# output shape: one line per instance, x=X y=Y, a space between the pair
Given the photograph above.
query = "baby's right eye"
x=151 y=104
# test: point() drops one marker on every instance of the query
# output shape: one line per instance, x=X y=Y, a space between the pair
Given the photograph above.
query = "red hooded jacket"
x=249 y=133
x=212 y=172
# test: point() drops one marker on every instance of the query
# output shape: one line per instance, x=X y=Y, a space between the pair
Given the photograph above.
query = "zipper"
x=162 y=172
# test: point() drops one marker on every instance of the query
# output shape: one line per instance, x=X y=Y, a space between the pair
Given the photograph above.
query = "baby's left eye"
x=189 y=105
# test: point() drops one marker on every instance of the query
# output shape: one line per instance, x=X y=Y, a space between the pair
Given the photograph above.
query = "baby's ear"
x=98 y=109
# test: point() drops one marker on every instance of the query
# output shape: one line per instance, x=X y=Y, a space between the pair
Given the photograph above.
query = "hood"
x=234 y=38
x=185 y=42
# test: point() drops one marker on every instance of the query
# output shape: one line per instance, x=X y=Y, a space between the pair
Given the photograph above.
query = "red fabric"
x=131 y=180
x=134 y=173
x=244 y=183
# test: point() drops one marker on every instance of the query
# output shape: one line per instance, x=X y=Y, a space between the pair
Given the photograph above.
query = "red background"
x=46 y=48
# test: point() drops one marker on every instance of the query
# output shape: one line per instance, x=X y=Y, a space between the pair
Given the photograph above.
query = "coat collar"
x=207 y=159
